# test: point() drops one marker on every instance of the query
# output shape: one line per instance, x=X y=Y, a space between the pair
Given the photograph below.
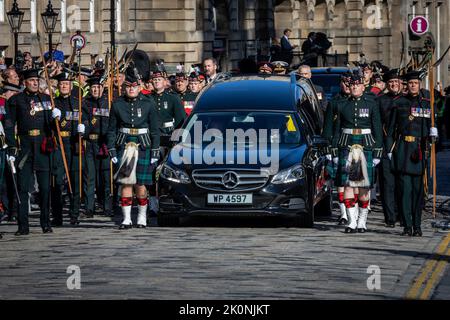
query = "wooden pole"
x=58 y=130
x=433 y=145
x=110 y=98
x=80 y=146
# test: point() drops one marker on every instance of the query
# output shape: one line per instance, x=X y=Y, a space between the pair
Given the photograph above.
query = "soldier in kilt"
x=133 y=144
x=357 y=149
x=98 y=169
x=328 y=130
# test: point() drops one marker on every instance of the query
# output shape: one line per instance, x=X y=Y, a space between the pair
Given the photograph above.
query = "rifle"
x=58 y=130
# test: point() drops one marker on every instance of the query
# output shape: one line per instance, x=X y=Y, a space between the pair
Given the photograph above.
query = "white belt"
x=134 y=131
x=357 y=131
x=168 y=124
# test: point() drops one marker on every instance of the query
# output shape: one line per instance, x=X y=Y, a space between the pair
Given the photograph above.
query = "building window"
x=119 y=15
x=2 y=10
x=33 y=16
x=63 y=16
x=91 y=16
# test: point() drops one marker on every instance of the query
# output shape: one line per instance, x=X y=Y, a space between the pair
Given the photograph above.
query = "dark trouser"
x=57 y=199
x=388 y=191
x=24 y=177
x=98 y=179
x=411 y=199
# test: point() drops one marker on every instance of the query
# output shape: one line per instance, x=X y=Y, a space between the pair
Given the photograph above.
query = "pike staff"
x=58 y=130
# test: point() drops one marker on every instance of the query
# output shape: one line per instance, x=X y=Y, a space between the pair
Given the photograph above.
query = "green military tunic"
x=170 y=109
x=35 y=128
x=357 y=114
x=131 y=115
x=407 y=140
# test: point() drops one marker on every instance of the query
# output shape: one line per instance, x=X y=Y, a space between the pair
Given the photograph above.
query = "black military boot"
x=417 y=232
x=407 y=232
x=56 y=223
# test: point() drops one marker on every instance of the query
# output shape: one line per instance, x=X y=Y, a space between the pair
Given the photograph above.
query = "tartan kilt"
x=144 y=168
x=342 y=174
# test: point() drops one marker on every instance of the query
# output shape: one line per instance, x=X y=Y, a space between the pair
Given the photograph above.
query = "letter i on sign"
x=419 y=25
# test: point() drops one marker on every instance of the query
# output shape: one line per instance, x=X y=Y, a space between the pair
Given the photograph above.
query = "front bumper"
x=271 y=200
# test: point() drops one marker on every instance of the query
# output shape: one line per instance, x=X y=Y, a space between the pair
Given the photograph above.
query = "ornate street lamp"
x=15 y=18
x=49 y=17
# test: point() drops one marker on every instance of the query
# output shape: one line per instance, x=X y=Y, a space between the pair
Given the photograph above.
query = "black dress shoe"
x=141 y=226
x=125 y=226
x=1 y=236
x=407 y=232
x=108 y=213
x=56 y=223
x=89 y=214
x=342 y=222
x=417 y=232
x=361 y=230
x=21 y=233
x=390 y=225
x=74 y=222
x=350 y=230
x=47 y=230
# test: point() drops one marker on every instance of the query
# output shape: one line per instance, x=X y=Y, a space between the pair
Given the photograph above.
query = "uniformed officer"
x=407 y=141
x=186 y=96
x=98 y=169
x=388 y=188
x=169 y=106
x=327 y=133
x=367 y=76
x=133 y=144
x=33 y=114
x=265 y=67
x=84 y=75
x=68 y=103
x=196 y=81
x=280 y=67
x=357 y=149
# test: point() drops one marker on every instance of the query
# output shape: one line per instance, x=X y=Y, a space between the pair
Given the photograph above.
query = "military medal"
x=139 y=112
x=165 y=104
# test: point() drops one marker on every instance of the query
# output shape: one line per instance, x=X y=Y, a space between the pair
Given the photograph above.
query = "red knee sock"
x=349 y=203
x=341 y=197
x=363 y=204
x=126 y=201
x=142 y=201
x=356 y=195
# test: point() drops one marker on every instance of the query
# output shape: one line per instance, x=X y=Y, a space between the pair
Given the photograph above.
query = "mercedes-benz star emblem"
x=230 y=180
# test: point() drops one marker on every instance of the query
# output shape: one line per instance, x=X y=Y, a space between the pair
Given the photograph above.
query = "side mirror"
x=319 y=142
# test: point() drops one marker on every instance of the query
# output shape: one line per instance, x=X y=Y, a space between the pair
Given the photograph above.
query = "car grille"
x=230 y=180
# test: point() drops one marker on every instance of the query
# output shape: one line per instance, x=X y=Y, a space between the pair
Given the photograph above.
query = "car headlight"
x=174 y=175
x=290 y=175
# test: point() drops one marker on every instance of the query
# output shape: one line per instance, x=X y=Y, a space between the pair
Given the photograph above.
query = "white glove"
x=336 y=160
x=114 y=160
x=328 y=157
x=434 y=132
x=10 y=158
x=81 y=128
x=389 y=156
x=153 y=160
x=56 y=113
x=375 y=162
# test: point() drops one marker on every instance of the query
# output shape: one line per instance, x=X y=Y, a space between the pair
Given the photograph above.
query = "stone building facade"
x=189 y=30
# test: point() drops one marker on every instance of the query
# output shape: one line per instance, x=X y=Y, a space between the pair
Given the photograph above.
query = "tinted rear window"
x=329 y=82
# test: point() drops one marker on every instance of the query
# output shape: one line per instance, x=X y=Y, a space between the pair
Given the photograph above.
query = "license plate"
x=230 y=198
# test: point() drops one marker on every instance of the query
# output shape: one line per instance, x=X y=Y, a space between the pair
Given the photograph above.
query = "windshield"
x=254 y=125
x=329 y=82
